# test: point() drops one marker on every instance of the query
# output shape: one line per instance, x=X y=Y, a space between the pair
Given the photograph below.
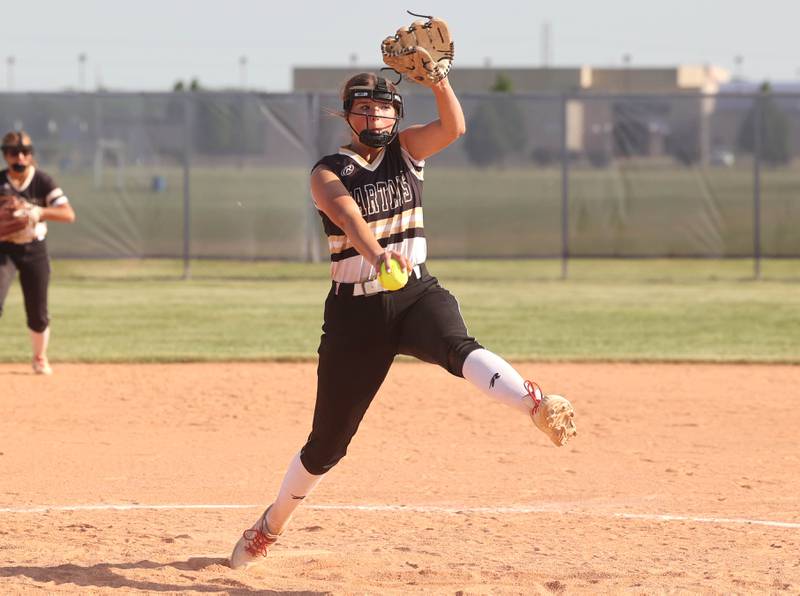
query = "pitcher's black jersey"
x=389 y=193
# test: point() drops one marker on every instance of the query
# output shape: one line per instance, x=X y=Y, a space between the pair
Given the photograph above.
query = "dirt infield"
x=676 y=483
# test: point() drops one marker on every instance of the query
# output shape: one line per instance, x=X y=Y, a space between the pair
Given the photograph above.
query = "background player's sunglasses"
x=15 y=150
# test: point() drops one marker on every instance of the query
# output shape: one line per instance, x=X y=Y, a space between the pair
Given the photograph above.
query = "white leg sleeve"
x=497 y=379
x=297 y=485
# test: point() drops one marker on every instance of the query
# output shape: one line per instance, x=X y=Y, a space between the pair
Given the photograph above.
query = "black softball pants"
x=361 y=337
x=33 y=263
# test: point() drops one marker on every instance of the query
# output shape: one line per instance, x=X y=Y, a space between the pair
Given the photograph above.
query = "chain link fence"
x=200 y=175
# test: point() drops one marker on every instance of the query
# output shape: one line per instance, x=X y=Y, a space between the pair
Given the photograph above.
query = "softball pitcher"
x=28 y=198
x=369 y=196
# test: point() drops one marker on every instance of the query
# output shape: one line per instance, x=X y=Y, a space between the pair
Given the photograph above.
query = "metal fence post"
x=243 y=148
x=312 y=248
x=757 y=120
x=564 y=188
x=188 y=117
x=98 y=139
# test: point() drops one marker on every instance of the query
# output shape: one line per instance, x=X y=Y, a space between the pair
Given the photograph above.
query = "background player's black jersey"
x=39 y=189
x=389 y=194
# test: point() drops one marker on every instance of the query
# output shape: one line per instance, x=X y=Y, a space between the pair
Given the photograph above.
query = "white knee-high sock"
x=297 y=485
x=497 y=379
x=39 y=343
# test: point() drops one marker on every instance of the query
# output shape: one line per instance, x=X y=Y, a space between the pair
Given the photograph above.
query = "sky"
x=148 y=45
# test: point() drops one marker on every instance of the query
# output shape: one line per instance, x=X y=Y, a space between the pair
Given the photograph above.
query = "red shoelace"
x=259 y=542
x=535 y=393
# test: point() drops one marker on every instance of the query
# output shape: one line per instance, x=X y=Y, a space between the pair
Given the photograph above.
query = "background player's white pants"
x=297 y=485
x=497 y=378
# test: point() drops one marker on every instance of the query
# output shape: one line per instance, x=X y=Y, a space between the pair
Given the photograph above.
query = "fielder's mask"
x=381 y=93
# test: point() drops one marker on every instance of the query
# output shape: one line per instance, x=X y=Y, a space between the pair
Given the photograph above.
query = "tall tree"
x=773 y=128
x=496 y=128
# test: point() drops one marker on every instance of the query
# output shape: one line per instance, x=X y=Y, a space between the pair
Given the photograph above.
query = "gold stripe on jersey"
x=357 y=269
x=381 y=228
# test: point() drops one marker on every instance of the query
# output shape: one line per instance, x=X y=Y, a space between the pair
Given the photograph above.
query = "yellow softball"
x=394 y=279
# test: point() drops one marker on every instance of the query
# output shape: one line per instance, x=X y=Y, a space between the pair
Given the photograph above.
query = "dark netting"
x=671 y=177
x=250 y=159
x=119 y=159
x=780 y=176
x=496 y=191
x=652 y=176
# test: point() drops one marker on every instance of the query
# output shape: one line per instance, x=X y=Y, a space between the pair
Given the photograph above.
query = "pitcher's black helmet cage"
x=379 y=92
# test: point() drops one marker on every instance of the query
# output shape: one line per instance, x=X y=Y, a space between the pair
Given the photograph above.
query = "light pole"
x=10 y=61
x=738 y=60
x=243 y=72
x=82 y=71
x=546 y=49
x=626 y=63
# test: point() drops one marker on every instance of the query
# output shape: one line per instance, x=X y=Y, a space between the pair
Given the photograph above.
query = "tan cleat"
x=253 y=545
x=552 y=414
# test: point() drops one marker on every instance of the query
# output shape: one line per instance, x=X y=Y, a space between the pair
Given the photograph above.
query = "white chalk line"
x=518 y=509
x=118 y=507
x=707 y=520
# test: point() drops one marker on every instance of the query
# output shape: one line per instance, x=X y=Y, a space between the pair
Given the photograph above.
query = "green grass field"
x=669 y=310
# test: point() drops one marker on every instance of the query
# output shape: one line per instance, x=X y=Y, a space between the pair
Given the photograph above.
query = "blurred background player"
x=27 y=252
x=369 y=195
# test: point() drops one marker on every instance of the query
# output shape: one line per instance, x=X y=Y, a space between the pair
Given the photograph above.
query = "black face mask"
x=376 y=139
x=18 y=167
x=381 y=92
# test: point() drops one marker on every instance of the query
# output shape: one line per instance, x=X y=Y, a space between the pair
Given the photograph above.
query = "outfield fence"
x=202 y=175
